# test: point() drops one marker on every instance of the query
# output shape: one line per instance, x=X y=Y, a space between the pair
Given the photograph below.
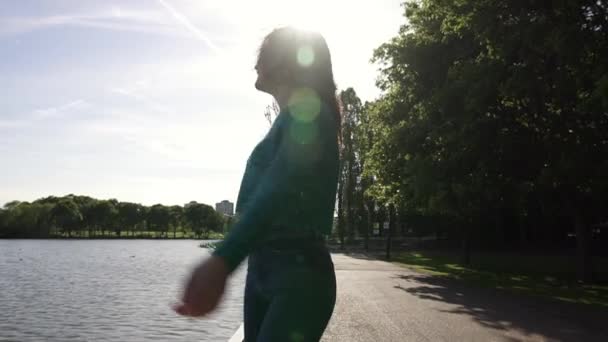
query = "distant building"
x=225 y=207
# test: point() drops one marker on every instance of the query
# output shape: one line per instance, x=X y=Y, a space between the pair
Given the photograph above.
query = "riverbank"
x=145 y=235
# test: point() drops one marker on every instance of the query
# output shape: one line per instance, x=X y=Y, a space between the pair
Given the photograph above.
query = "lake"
x=106 y=290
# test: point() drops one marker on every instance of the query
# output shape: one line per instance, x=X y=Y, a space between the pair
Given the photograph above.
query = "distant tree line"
x=85 y=217
x=492 y=130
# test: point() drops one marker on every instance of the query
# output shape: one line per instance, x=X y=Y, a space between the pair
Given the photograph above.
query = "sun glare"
x=314 y=15
x=352 y=30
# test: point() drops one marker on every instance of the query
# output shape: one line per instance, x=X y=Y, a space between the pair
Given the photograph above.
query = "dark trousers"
x=290 y=293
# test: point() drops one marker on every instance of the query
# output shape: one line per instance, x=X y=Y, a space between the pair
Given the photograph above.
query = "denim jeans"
x=290 y=293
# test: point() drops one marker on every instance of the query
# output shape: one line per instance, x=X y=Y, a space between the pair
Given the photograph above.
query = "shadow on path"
x=508 y=311
x=358 y=254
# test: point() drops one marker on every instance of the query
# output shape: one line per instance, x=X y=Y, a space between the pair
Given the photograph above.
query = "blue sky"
x=153 y=101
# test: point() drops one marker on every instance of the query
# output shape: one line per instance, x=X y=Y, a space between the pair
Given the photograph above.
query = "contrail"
x=188 y=25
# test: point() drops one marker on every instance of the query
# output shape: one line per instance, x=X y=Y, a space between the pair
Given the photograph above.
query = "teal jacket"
x=289 y=184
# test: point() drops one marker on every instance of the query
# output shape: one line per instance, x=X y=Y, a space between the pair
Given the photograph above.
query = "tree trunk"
x=466 y=243
x=389 y=234
x=584 y=269
x=350 y=190
x=368 y=226
x=341 y=214
x=523 y=233
x=501 y=233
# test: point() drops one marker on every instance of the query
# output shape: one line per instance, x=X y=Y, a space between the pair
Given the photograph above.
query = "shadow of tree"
x=526 y=275
x=363 y=255
x=535 y=317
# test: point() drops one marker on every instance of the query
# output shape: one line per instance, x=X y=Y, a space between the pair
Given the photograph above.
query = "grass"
x=544 y=276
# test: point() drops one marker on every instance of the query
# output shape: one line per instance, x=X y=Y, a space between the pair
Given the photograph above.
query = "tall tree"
x=484 y=97
x=102 y=215
x=66 y=215
x=176 y=214
x=159 y=218
x=129 y=215
x=351 y=112
x=202 y=218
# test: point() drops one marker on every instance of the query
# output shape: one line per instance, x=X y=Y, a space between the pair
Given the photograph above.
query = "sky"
x=153 y=101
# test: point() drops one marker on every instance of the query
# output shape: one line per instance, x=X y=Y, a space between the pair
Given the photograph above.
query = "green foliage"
x=202 y=219
x=159 y=218
x=349 y=193
x=66 y=215
x=87 y=217
x=493 y=123
x=33 y=219
x=129 y=215
x=469 y=84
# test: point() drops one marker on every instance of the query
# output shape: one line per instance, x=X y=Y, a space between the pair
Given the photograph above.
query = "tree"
x=84 y=204
x=129 y=215
x=159 y=218
x=102 y=215
x=73 y=215
x=11 y=205
x=364 y=143
x=176 y=214
x=351 y=112
x=41 y=213
x=202 y=218
x=490 y=102
x=66 y=215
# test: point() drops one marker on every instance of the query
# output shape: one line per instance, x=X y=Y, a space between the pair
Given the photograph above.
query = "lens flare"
x=303 y=133
x=306 y=56
x=304 y=105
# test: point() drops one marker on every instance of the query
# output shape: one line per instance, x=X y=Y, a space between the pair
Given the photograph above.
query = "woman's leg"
x=302 y=297
x=255 y=307
x=298 y=316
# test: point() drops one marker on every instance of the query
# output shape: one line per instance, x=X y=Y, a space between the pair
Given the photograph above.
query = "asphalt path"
x=381 y=302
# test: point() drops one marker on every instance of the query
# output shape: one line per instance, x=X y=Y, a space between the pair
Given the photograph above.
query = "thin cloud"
x=133 y=93
x=116 y=20
x=52 y=112
x=45 y=113
x=182 y=19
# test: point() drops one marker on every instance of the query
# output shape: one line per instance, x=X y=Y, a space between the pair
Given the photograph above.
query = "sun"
x=313 y=15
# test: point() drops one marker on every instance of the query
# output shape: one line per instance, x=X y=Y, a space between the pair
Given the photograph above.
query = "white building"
x=225 y=207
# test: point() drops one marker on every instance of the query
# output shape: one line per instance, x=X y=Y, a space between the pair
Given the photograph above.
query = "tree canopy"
x=83 y=216
x=493 y=123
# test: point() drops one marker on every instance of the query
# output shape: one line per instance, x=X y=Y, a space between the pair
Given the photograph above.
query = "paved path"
x=380 y=302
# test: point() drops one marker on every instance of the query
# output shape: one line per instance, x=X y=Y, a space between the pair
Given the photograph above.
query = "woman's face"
x=261 y=83
x=267 y=75
x=271 y=73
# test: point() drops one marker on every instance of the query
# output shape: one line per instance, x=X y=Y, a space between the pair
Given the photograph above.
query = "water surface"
x=105 y=290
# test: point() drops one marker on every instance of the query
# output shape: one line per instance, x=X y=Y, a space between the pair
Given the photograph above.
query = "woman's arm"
x=297 y=162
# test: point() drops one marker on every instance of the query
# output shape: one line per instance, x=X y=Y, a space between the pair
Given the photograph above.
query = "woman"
x=286 y=201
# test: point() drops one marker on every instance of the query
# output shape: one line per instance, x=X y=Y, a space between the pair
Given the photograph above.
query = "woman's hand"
x=204 y=289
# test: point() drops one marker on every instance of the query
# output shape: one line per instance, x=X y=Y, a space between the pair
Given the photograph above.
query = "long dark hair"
x=305 y=55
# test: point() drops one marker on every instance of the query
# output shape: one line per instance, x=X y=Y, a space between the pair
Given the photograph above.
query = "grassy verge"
x=548 y=277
